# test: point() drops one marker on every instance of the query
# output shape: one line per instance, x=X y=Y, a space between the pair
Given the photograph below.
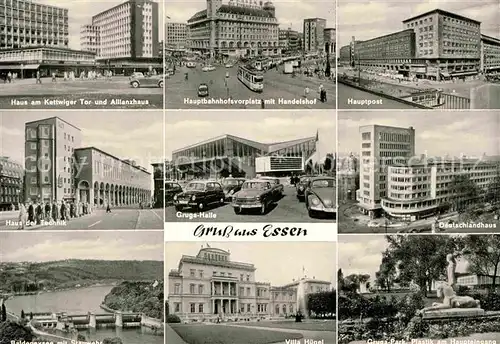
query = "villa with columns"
x=105 y=179
x=211 y=287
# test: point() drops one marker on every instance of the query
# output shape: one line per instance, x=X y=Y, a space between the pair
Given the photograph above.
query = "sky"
x=367 y=19
x=290 y=13
x=276 y=262
x=362 y=254
x=187 y=128
x=110 y=245
x=436 y=133
x=80 y=12
x=135 y=135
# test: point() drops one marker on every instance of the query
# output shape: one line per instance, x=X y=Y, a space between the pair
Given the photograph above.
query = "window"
x=46 y=179
x=248 y=277
x=192 y=272
x=33 y=146
x=177 y=288
x=200 y=308
x=193 y=308
x=248 y=292
x=201 y=273
x=242 y=291
x=200 y=289
x=191 y=288
x=177 y=307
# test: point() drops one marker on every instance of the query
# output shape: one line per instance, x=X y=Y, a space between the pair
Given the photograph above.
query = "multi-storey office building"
x=158 y=184
x=490 y=54
x=176 y=35
x=90 y=38
x=128 y=36
x=348 y=179
x=445 y=45
x=330 y=41
x=235 y=29
x=11 y=183
x=50 y=159
x=289 y=40
x=314 y=35
x=210 y=285
x=103 y=179
x=231 y=155
x=57 y=168
x=25 y=23
x=422 y=188
x=380 y=147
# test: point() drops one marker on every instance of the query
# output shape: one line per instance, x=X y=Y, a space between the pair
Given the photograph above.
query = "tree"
x=22 y=314
x=462 y=190
x=4 y=313
x=328 y=165
x=386 y=275
x=340 y=279
x=322 y=303
x=492 y=194
x=484 y=255
x=421 y=259
x=353 y=282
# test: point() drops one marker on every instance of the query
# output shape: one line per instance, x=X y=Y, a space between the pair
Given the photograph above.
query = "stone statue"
x=446 y=290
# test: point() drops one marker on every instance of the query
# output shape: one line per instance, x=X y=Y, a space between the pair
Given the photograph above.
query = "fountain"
x=301 y=301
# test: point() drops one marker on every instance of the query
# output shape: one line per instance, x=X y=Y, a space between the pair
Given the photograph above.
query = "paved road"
x=23 y=94
x=288 y=209
x=276 y=86
x=118 y=219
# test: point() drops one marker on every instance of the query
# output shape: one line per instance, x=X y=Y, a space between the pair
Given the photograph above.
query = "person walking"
x=63 y=211
x=55 y=211
x=22 y=216
x=38 y=213
x=31 y=213
x=108 y=208
x=48 y=209
x=38 y=77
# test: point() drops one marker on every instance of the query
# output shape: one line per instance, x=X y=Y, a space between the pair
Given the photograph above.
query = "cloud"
x=360 y=255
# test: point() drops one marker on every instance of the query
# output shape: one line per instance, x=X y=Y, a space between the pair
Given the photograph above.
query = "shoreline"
x=10 y=296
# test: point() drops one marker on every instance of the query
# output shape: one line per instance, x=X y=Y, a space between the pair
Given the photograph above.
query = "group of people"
x=321 y=92
x=9 y=77
x=34 y=213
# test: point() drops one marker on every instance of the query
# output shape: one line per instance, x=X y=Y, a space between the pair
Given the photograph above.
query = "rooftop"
x=52 y=118
x=442 y=12
x=124 y=161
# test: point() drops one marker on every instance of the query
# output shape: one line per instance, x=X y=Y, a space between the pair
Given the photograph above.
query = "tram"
x=251 y=78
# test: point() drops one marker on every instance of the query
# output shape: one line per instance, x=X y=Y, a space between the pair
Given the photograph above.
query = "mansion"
x=209 y=286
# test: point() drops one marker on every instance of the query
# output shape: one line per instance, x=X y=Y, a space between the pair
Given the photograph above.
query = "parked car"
x=191 y=64
x=320 y=196
x=171 y=189
x=254 y=194
x=301 y=187
x=136 y=75
x=208 y=68
x=203 y=90
x=229 y=65
x=199 y=195
x=232 y=186
x=278 y=188
x=141 y=81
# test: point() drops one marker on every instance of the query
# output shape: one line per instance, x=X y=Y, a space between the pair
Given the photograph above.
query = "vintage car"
x=137 y=81
x=191 y=64
x=254 y=194
x=278 y=188
x=232 y=186
x=320 y=196
x=208 y=68
x=203 y=90
x=301 y=186
x=229 y=65
x=199 y=195
x=171 y=189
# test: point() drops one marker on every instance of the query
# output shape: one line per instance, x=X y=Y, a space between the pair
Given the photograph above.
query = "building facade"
x=476 y=281
x=444 y=45
x=11 y=183
x=158 y=184
x=330 y=41
x=229 y=154
x=422 y=189
x=314 y=35
x=289 y=40
x=104 y=179
x=90 y=38
x=348 y=179
x=239 y=28
x=25 y=23
x=210 y=286
x=490 y=55
x=380 y=147
x=176 y=35
x=57 y=168
x=50 y=160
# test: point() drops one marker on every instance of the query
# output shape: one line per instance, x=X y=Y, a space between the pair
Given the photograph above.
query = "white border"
x=220 y=232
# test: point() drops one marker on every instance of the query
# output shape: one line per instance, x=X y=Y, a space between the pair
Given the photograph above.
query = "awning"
x=15 y=67
x=31 y=66
x=464 y=73
x=6 y=67
x=445 y=74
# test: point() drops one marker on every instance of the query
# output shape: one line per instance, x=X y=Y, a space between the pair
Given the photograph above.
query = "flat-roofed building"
x=11 y=183
x=314 y=35
x=490 y=54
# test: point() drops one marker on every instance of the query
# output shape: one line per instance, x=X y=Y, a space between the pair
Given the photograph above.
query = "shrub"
x=489 y=302
x=173 y=319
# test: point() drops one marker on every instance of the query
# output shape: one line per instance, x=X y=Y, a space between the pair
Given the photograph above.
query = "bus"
x=251 y=78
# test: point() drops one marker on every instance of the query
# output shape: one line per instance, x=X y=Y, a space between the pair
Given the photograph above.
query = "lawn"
x=220 y=334
x=308 y=325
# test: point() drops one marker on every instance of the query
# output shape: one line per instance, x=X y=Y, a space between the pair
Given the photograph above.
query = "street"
x=288 y=209
x=26 y=94
x=116 y=220
x=276 y=86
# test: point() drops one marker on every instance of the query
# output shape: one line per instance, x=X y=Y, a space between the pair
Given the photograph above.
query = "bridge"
x=65 y=321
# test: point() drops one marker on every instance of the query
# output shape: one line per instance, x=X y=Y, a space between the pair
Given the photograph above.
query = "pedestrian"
x=39 y=213
x=306 y=92
x=9 y=77
x=54 y=77
x=108 y=208
x=55 y=211
x=22 y=216
x=31 y=213
x=48 y=209
x=262 y=104
x=72 y=212
x=63 y=211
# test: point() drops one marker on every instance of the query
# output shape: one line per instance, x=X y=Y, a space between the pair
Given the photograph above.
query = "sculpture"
x=447 y=292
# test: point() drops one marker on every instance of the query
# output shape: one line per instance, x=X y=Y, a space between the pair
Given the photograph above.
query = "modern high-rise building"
x=176 y=35
x=58 y=168
x=210 y=286
x=90 y=38
x=490 y=54
x=314 y=35
x=50 y=159
x=380 y=147
x=238 y=28
x=11 y=183
x=25 y=23
x=126 y=35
